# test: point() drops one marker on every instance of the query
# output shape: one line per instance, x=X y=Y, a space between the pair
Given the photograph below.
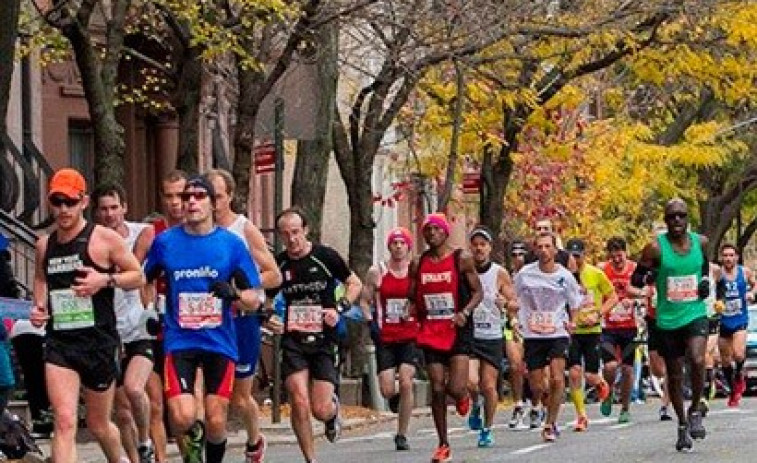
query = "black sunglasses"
x=198 y=195
x=58 y=201
x=676 y=215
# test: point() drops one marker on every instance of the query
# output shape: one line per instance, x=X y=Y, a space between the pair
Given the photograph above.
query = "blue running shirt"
x=191 y=263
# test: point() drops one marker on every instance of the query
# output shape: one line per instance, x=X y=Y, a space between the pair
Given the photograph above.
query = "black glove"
x=152 y=326
x=651 y=277
x=703 y=290
x=224 y=290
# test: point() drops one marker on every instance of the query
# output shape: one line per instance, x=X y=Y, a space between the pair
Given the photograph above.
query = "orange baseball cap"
x=68 y=182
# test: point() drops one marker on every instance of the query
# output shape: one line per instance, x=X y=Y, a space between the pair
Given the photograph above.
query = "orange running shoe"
x=581 y=424
x=463 y=405
x=442 y=454
x=603 y=390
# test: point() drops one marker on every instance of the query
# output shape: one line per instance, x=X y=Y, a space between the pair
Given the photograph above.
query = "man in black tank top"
x=77 y=267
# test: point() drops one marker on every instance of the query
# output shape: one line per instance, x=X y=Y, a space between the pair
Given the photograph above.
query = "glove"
x=224 y=290
x=343 y=305
x=149 y=320
x=703 y=290
x=651 y=277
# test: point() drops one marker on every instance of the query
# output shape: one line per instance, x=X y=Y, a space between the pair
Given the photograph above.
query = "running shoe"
x=534 y=419
x=475 y=423
x=256 y=453
x=582 y=423
x=193 y=443
x=605 y=408
x=664 y=415
x=394 y=403
x=485 y=438
x=442 y=454
x=146 y=453
x=696 y=428
x=517 y=418
x=704 y=407
x=400 y=443
x=740 y=385
x=463 y=405
x=550 y=433
x=684 y=442
x=334 y=425
x=603 y=391
x=624 y=417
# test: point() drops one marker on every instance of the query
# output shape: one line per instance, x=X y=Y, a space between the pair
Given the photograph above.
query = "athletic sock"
x=577 y=395
x=214 y=452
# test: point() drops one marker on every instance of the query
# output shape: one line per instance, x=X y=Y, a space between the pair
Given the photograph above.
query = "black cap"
x=575 y=246
x=202 y=181
x=518 y=246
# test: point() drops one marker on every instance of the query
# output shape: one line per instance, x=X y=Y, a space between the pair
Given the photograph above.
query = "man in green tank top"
x=676 y=264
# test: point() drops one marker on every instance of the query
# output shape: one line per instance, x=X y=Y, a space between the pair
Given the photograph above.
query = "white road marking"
x=529 y=449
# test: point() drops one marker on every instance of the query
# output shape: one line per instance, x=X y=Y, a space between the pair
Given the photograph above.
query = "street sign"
x=472 y=183
x=265 y=158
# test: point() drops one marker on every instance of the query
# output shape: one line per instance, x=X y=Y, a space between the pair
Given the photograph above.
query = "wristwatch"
x=343 y=305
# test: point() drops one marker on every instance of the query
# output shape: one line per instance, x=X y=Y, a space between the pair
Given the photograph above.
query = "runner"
x=311 y=273
x=171 y=188
x=200 y=261
x=132 y=403
x=712 y=353
x=675 y=262
x=738 y=286
x=386 y=287
x=544 y=289
x=444 y=290
x=619 y=335
x=514 y=342
x=247 y=325
x=488 y=344
x=654 y=346
x=583 y=355
x=77 y=268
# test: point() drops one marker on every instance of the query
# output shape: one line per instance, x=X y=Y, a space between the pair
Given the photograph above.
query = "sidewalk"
x=275 y=433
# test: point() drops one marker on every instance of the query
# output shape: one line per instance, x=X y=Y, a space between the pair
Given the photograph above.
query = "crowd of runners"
x=157 y=326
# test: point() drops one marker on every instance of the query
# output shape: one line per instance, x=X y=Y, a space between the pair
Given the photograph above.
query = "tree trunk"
x=311 y=167
x=9 y=11
x=187 y=104
x=244 y=136
x=454 y=145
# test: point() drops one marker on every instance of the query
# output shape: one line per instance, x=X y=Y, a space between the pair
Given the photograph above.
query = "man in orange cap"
x=386 y=286
x=78 y=266
x=445 y=289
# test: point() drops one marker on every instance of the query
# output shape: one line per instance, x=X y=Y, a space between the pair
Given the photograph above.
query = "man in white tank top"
x=247 y=325
x=132 y=403
x=488 y=337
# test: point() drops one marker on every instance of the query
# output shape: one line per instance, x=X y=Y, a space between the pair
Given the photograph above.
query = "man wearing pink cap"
x=444 y=291
x=386 y=288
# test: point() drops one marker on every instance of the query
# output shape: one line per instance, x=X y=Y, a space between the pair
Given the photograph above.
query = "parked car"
x=750 y=366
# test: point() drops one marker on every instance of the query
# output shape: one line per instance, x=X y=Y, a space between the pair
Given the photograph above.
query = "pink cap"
x=438 y=219
x=400 y=233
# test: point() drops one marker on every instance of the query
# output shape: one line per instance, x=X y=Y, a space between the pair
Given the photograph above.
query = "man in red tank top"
x=444 y=291
x=386 y=287
x=619 y=328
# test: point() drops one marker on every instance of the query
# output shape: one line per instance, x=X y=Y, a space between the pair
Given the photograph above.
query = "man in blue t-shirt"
x=206 y=268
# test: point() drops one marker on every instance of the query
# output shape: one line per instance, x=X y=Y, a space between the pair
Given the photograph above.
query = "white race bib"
x=732 y=307
x=439 y=306
x=542 y=323
x=621 y=313
x=396 y=310
x=305 y=318
x=199 y=310
x=682 y=288
x=70 y=311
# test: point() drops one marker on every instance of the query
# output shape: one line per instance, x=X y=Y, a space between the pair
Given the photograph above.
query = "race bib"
x=542 y=323
x=481 y=319
x=199 y=310
x=396 y=310
x=305 y=318
x=621 y=313
x=682 y=289
x=587 y=317
x=70 y=311
x=732 y=307
x=439 y=306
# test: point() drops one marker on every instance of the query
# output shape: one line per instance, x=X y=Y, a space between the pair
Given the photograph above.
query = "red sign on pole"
x=265 y=158
x=471 y=182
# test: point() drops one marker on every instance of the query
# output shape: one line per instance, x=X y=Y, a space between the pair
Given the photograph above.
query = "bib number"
x=305 y=318
x=732 y=307
x=439 y=306
x=396 y=310
x=71 y=312
x=541 y=323
x=682 y=288
x=621 y=313
x=199 y=310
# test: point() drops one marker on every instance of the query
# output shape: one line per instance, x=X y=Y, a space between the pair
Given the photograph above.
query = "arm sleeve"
x=153 y=261
x=246 y=274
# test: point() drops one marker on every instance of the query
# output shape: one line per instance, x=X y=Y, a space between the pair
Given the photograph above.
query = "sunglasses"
x=676 y=215
x=58 y=201
x=198 y=195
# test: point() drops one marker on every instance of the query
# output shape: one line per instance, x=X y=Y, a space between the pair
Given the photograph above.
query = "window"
x=81 y=152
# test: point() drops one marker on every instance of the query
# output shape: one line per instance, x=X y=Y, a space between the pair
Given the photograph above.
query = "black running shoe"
x=684 y=443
